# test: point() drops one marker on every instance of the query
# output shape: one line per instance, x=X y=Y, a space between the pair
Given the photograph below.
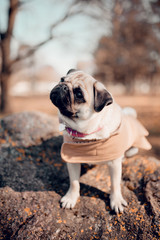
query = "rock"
x=28 y=128
x=33 y=179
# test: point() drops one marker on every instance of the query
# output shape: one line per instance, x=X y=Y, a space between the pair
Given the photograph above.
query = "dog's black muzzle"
x=59 y=93
x=60 y=97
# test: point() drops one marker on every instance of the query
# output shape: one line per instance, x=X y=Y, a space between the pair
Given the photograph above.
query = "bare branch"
x=69 y=13
x=73 y=9
x=31 y=51
x=51 y=36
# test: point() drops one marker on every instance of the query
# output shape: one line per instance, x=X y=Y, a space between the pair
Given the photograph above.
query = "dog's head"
x=78 y=95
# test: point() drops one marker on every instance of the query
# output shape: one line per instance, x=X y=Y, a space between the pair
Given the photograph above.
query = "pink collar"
x=74 y=133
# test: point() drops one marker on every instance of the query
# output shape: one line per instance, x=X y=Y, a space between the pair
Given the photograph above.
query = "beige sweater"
x=130 y=133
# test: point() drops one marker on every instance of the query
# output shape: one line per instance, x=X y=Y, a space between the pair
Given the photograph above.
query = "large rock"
x=33 y=178
x=27 y=128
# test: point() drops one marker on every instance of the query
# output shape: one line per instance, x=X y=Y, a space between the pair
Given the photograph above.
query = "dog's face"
x=78 y=96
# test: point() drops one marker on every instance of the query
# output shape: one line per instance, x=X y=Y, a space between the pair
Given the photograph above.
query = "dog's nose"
x=59 y=88
x=64 y=87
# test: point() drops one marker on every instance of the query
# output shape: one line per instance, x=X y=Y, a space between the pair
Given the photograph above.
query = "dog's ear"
x=71 y=70
x=102 y=97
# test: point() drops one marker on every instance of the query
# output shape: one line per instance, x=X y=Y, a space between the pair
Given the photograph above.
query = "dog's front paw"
x=117 y=202
x=70 y=199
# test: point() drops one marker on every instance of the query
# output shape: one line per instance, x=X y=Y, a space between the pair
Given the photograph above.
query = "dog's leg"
x=116 y=200
x=70 y=199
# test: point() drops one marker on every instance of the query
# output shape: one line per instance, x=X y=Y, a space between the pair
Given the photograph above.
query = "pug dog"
x=89 y=114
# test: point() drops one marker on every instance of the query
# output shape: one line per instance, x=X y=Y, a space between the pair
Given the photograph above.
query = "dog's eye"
x=62 y=79
x=78 y=93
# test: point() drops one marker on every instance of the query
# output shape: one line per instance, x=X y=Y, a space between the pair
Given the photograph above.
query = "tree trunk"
x=4 y=85
x=5 y=74
x=5 y=46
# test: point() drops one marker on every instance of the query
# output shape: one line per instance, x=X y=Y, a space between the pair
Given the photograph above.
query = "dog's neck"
x=99 y=127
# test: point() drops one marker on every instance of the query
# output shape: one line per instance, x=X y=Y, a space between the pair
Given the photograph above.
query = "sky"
x=75 y=39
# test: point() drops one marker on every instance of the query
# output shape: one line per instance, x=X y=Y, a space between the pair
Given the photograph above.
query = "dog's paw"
x=70 y=199
x=117 y=203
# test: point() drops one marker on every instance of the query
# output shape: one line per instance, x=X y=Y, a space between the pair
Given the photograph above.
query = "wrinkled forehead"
x=80 y=79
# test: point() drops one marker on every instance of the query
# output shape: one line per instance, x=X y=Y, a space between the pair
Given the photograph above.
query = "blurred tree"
x=7 y=63
x=133 y=49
